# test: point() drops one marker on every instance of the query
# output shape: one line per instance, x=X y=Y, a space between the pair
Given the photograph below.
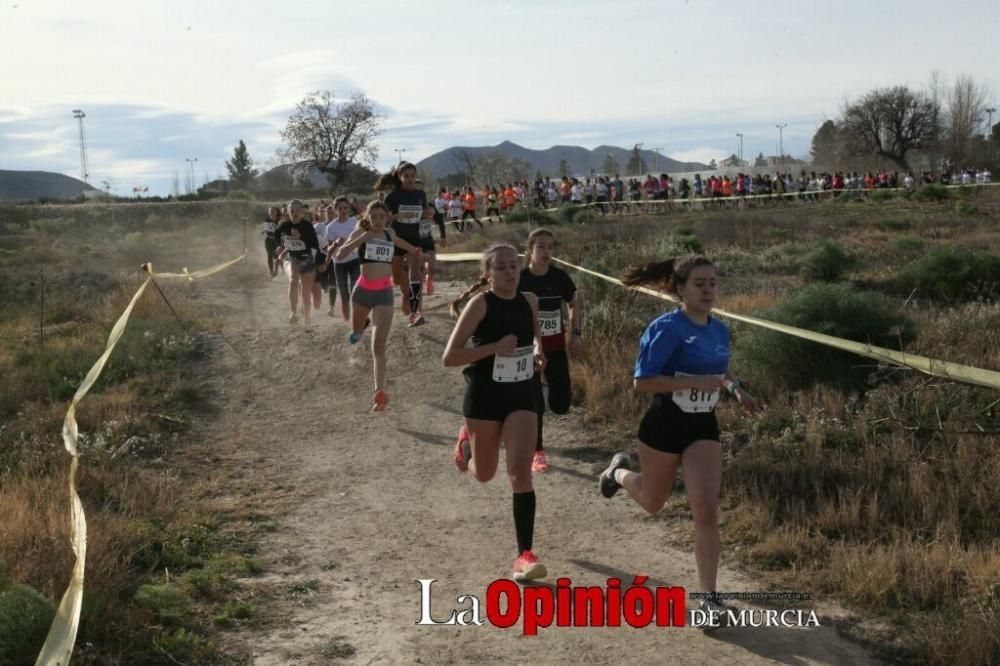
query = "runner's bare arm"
x=358 y=236
x=540 y=359
x=455 y=352
x=664 y=384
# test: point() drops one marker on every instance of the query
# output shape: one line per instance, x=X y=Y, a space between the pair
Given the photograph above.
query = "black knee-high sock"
x=524 y=519
x=415 y=296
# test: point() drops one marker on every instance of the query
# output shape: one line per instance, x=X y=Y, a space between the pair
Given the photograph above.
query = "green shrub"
x=167 y=601
x=777 y=234
x=570 y=212
x=964 y=208
x=893 y=224
x=840 y=310
x=908 y=244
x=879 y=196
x=25 y=617
x=181 y=647
x=826 y=262
x=949 y=273
x=536 y=216
x=932 y=192
x=241 y=195
x=237 y=610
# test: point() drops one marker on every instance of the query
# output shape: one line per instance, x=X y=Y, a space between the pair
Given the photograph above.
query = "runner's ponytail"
x=459 y=304
x=666 y=274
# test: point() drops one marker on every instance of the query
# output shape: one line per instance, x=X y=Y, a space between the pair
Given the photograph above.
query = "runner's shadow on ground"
x=425 y=437
x=430 y=338
x=572 y=472
x=798 y=647
x=612 y=572
x=449 y=409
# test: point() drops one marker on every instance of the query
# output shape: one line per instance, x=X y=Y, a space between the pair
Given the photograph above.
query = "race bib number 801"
x=694 y=401
x=378 y=250
x=515 y=367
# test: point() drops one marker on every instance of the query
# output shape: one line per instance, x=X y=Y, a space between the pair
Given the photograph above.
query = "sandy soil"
x=378 y=504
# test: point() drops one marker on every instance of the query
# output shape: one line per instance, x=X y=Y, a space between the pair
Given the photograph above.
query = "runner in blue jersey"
x=683 y=362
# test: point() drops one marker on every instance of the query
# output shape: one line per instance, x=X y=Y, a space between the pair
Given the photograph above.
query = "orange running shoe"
x=539 y=463
x=527 y=567
x=380 y=400
x=463 y=450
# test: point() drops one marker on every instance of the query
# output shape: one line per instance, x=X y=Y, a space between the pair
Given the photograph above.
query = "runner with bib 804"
x=683 y=362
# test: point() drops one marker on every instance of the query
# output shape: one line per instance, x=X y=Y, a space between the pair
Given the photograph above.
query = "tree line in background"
x=911 y=129
x=907 y=128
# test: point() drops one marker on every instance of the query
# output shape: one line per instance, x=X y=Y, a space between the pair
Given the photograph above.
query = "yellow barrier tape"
x=938 y=368
x=931 y=366
x=191 y=277
x=59 y=642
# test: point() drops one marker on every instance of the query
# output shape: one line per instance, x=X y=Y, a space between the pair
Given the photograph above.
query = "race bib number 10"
x=550 y=322
x=378 y=250
x=515 y=367
x=693 y=401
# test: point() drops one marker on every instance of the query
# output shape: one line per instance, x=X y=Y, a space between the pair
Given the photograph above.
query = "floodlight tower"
x=84 y=166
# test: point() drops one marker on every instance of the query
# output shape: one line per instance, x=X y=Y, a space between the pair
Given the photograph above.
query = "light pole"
x=740 y=134
x=656 y=159
x=84 y=165
x=781 y=145
x=399 y=154
x=191 y=162
x=638 y=159
x=989 y=137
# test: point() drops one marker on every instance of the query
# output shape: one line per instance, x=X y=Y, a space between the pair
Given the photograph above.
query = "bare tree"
x=966 y=113
x=891 y=123
x=469 y=165
x=333 y=136
x=494 y=168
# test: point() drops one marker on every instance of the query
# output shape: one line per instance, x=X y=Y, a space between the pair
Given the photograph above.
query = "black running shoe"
x=608 y=484
x=714 y=607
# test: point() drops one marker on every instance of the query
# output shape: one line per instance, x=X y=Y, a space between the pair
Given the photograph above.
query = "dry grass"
x=885 y=498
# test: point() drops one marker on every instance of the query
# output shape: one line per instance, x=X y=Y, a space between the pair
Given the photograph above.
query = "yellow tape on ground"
x=931 y=366
x=191 y=277
x=58 y=647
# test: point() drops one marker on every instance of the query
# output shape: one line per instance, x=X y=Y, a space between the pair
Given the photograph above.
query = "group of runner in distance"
x=517 y=360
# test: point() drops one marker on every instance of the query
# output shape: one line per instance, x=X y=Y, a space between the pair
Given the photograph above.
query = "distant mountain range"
x=35 y=185
x=580 y=160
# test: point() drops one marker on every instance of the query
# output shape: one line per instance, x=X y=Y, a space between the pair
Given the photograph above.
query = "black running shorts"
x=666 y=428
x=491 y=401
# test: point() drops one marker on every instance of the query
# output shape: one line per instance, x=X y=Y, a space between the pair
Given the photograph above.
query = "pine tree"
x=241 y=171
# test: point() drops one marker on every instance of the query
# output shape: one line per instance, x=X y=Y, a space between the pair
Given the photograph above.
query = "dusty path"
x=379 y=504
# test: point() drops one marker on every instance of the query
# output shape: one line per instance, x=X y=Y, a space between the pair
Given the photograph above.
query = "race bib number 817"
x=694 y=401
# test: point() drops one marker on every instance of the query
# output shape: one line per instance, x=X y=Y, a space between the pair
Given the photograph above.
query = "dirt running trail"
x=379 y=504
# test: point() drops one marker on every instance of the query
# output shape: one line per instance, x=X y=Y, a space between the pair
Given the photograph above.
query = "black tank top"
x=503 y=317
x=362 y=248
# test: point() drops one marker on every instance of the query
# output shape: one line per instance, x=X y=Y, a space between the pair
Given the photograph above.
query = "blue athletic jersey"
x=673 y=343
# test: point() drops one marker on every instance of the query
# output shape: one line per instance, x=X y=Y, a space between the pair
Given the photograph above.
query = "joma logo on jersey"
x=691 y=339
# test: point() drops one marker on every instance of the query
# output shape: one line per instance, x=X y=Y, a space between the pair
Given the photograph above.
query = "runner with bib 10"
x=683 y=362
x=499 y=405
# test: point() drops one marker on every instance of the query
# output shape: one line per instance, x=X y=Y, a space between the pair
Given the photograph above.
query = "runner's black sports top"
x=503 y=317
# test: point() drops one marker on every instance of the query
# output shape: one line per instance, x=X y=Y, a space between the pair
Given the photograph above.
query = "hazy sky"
x=165 y=81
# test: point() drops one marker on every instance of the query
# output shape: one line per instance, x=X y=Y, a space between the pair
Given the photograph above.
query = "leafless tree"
x=333 y=136
x=891 y=123
x=495 y=168
x=966 y=113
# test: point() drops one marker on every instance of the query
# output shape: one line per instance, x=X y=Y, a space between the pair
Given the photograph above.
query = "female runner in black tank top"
x=499 y=404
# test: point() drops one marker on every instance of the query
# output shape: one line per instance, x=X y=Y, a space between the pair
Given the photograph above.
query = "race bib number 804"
x=378 y=250
x=694 y=401
x=515 y=367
